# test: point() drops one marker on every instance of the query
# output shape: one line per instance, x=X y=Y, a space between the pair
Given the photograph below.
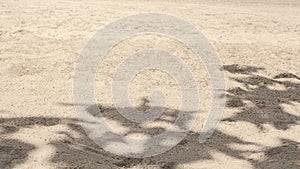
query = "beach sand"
x=257 y=41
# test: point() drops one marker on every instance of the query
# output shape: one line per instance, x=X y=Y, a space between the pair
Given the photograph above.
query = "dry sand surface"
x=258 y=43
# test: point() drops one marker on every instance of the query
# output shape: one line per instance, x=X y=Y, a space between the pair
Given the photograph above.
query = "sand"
x=257 y=41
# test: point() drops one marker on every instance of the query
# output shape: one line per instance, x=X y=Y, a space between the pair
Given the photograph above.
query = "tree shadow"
x=189 y=149
x=285 y=156
x=82 y=152
x=237 y=69
x=264 y=100
x=13 y=152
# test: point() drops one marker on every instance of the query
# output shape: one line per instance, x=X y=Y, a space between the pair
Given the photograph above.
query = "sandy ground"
x=258 y=42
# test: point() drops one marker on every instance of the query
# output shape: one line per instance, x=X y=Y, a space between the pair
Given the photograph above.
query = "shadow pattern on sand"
x=81 y=152
x=266 y=101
